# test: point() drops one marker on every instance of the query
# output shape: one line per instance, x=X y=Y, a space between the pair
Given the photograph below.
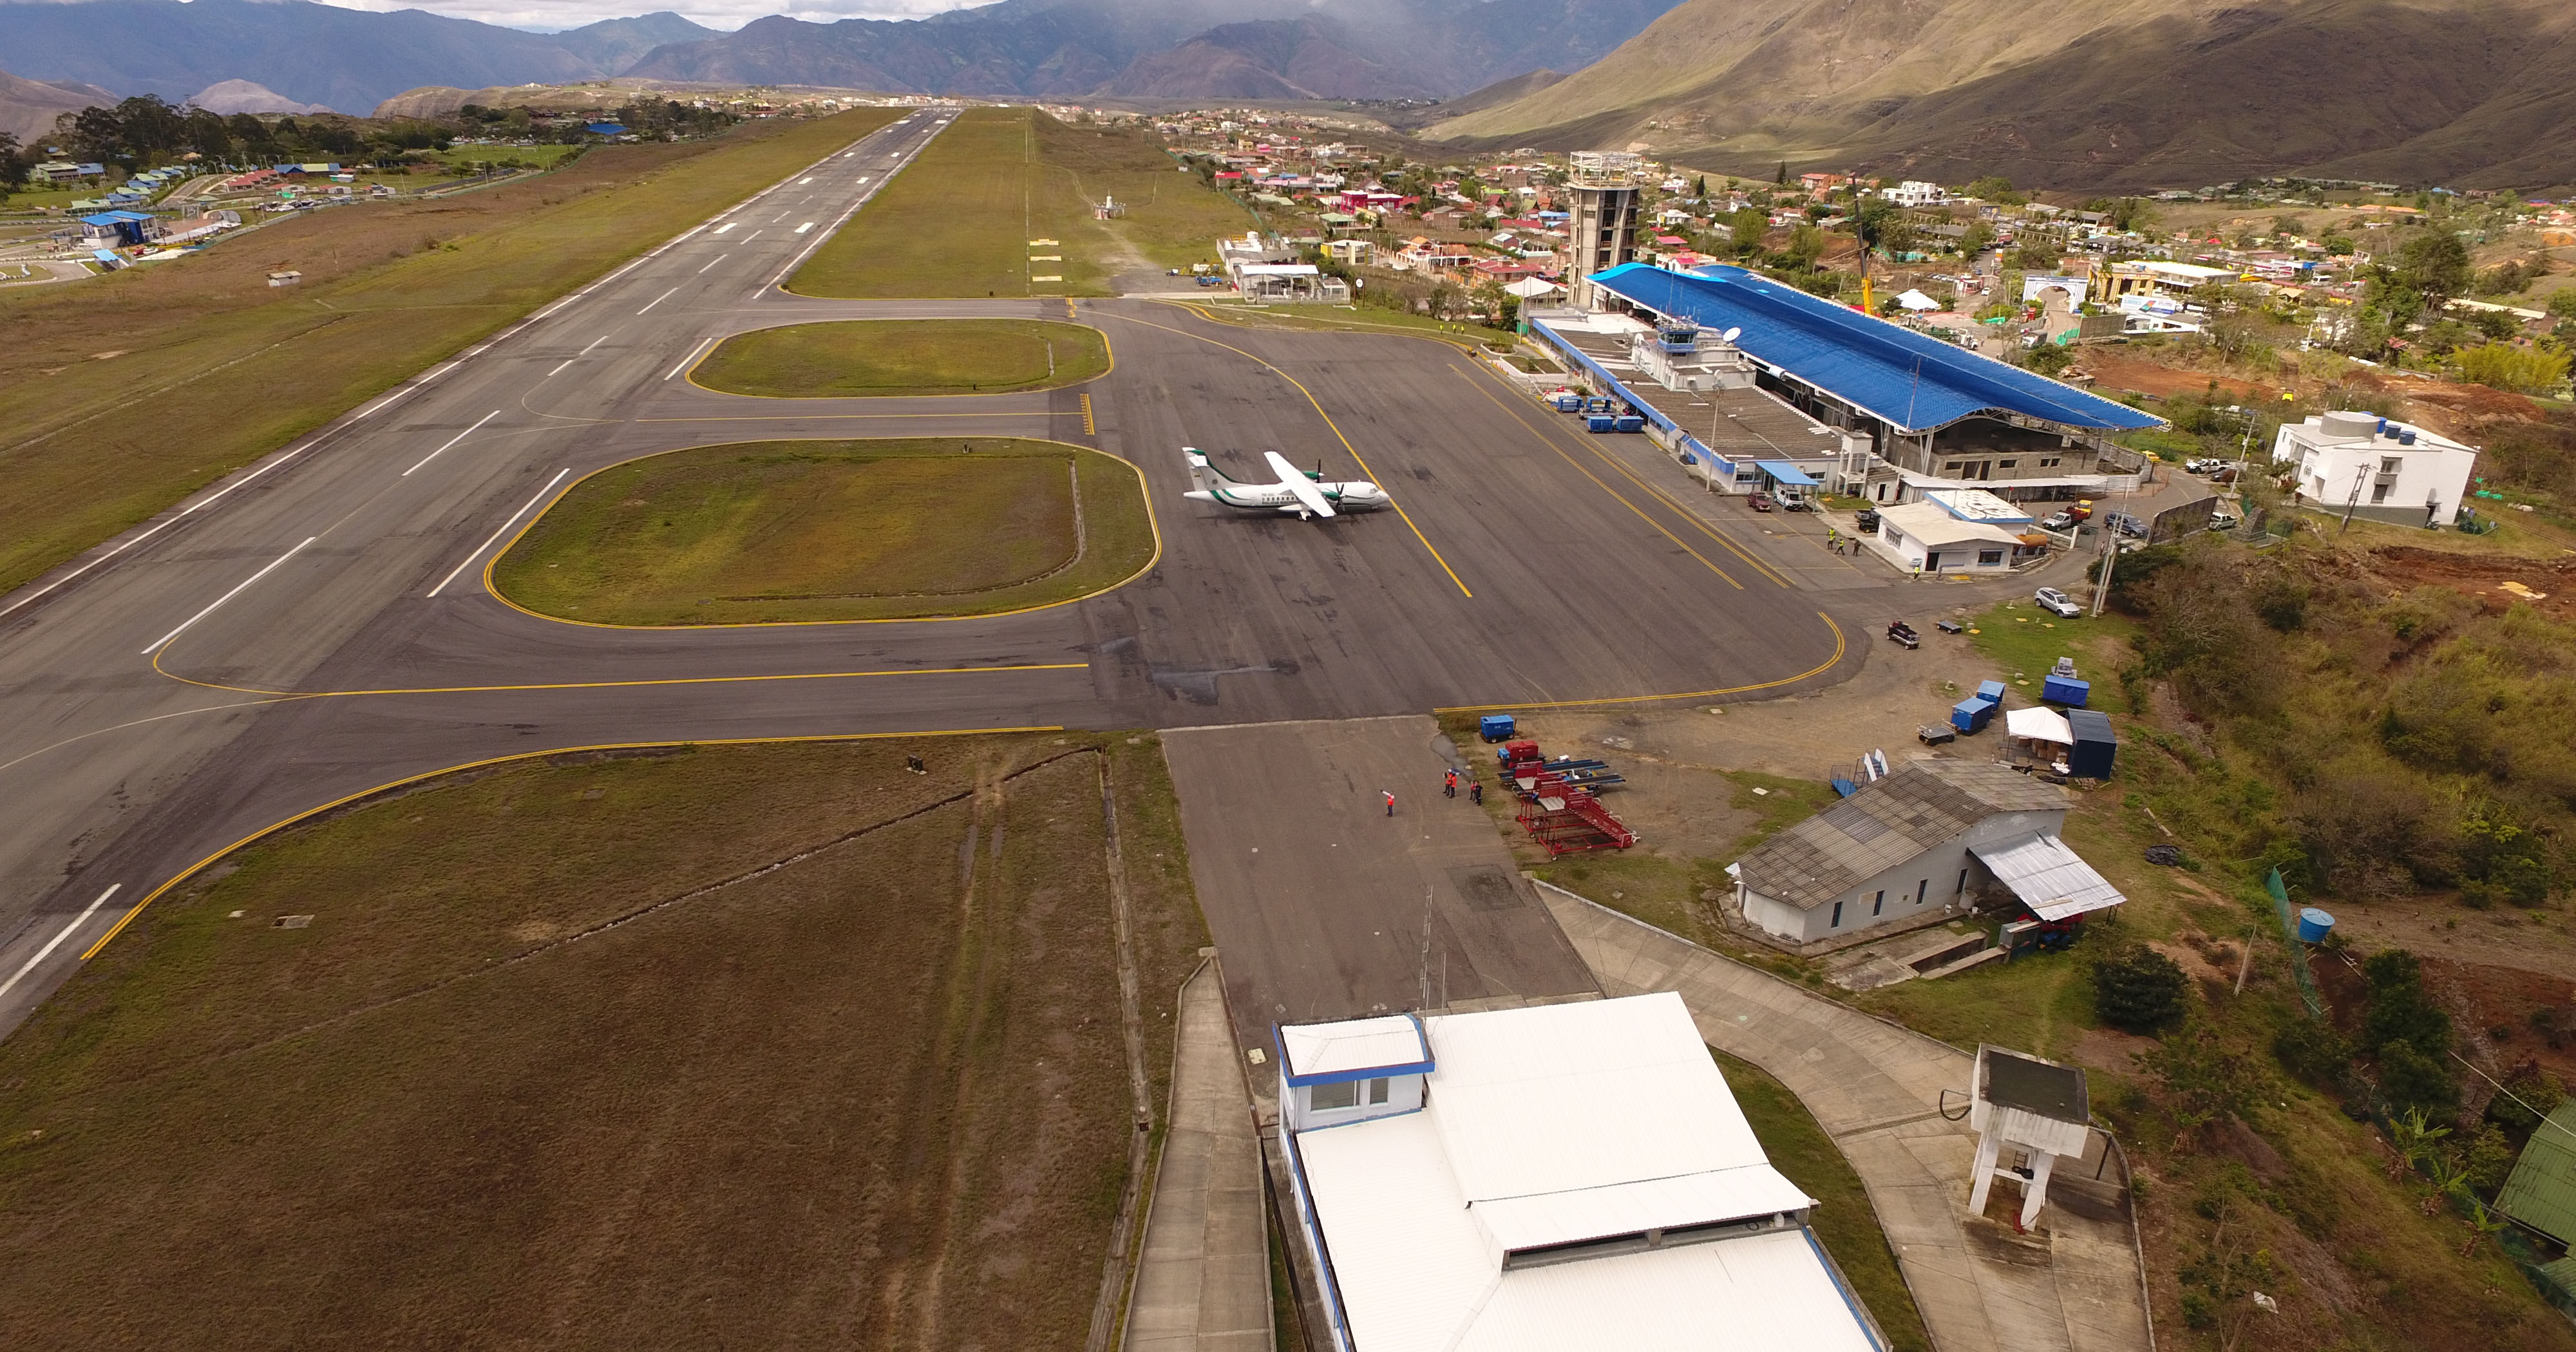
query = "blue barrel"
x=2314 y=925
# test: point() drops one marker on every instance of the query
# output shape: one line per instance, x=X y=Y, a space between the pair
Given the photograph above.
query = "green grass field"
x=542 y=156
x=1843 y=1218
x=963 y=219
x=804 y=531
x=742 y=1046
x=122 y=395
x=905 y=356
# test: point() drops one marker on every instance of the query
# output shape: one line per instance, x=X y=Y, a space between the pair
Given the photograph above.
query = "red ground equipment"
x=1557 y=804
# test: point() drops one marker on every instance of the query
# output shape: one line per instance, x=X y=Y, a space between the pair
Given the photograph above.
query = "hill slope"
x=2111 y=93
x=28 y=107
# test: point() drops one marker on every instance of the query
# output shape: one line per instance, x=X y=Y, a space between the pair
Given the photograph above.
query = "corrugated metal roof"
x=1517 y=1223
x=1352 y=1045
x=1761 y=1293
x=2541 y=1192
x=1889 y=821
x=1914 y=382
x=2052 y=880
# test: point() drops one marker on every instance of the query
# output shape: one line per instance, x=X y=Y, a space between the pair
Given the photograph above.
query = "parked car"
x=2126 y=525
x=1759 y=501
x=2057 y=603
x=2081 y=511
x=1797 y=504
x=2222 y=520
x=2061 y=522
x=1867 y=521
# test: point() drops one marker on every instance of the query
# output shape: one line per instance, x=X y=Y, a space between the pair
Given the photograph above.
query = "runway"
x=319 y=626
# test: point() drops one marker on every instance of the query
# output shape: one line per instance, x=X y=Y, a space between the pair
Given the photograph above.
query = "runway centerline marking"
x=726 y=226
x=805 y=227
x=48 y=950
x=433 y=455
x=238 y=589
x=1329 y=423
x=496 y=535
x=713 y=261
x=633 y=684
x=660 y=298
x=693 y=356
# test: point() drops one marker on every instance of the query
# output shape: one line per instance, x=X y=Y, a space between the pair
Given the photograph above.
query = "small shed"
x=2096 y=744
x=2026 y=1112
x=2540 y=1194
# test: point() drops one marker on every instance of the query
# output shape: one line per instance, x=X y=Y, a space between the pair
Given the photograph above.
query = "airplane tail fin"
x=1200 y=472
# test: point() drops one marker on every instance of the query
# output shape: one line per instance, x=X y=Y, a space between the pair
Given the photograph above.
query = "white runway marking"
x=726 y=226
x=496 y=535
x=693 y=356
x=237 y=590
x=48 y=950
x=659 y=299
x=433 y=455
x=718 y=259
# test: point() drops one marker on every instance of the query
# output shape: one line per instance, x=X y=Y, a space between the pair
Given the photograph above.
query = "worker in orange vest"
x=1449 y=782
x=1390 y=801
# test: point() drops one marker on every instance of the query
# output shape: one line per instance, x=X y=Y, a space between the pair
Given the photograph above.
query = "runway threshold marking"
x=193 y=869
x=1337 y=436
x=1842 y=645
x=48 y=950
x=1615 y=496
x=1624 y=472
x=238 y=588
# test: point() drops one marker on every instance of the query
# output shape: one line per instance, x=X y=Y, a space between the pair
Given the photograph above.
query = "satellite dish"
x=1731 y=334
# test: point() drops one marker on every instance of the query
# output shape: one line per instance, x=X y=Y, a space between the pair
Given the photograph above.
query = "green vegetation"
x=1843 y=1218
x=95 y=376
x=905 y=356
x=543 y=156
x=611 y=1053
x=807 y=531
x=2138 y=990
x=2024 y=642
x=961 y=219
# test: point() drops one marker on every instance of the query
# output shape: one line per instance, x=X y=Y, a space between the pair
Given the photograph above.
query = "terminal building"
x=1558 y=1176
x=1893 y=414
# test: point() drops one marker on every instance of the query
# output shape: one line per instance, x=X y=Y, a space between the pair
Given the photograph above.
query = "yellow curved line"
x=190 y=871
x=1328 y=422
x=1841 y=645
x=691 y=375
x=1142 y=487
x=616 y=685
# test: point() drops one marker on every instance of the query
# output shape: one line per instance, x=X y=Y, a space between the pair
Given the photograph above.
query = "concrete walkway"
x=2073 y=1283
x=1203 y=1284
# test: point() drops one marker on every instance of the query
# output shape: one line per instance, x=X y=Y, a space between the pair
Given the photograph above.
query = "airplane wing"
x=1295 y=481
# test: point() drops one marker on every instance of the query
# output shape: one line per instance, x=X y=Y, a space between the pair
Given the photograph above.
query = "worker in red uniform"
x=1449 y=782
x=1476 y=793
x=1390 y=801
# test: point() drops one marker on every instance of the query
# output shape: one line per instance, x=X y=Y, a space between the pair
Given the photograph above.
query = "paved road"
x=318 y=626
x=2074 y=1284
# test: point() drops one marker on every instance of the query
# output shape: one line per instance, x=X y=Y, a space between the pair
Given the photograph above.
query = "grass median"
x=123 y=394
x=813 y=531
x=765 y=1046
x=880 y=357
x=1004 y=203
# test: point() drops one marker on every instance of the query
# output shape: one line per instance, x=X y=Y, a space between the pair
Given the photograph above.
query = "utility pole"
x=1860 y=235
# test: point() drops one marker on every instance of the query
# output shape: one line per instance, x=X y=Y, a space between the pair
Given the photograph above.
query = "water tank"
x=2314 y=925
x=2347 y=425
x=2406 y=438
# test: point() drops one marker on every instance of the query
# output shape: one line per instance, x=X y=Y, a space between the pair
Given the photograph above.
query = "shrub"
x=2399 y=1011
x=2205 y=1080
x=2413 y=1080
x=2503 y=366
x=2313 y=1051
x=2138 y=989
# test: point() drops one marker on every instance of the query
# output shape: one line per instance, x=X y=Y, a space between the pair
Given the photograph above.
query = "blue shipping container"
x=1495 y=727
x=1631 y=423
x=1569 y=403
x=1991 y=691
x=1971 y=714
x=1600 y=422
x=2066 y=690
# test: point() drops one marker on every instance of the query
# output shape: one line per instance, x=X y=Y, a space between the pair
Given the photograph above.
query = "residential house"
x=2376 y=468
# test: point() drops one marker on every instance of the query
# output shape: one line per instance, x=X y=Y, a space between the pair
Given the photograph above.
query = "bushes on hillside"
x=2138 y=989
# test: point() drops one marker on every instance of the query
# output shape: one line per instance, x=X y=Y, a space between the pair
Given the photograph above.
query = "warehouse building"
x=1559 y=1176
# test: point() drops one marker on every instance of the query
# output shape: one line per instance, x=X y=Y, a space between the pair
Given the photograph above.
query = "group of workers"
x=1448 y=789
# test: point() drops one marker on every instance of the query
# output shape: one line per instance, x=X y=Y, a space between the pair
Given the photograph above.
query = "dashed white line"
x=496 y=535
x=433 y=455
x=805 y=180
x=726 y=226
x=238 y=588
x=600 y=339
x=48 y=950
x=717 y=259
x=805 y=227
x=659 y=299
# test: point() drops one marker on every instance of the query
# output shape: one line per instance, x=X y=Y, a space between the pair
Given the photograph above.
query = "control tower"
x=1602 y=224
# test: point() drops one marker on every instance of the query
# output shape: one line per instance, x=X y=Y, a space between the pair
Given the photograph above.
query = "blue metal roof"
x=1913 y=382
x=1786 y=473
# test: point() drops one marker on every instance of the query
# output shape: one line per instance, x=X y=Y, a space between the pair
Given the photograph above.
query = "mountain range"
x=2108 y=94
x=354 y=60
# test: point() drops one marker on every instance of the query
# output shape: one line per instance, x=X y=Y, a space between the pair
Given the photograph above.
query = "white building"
x=1562 y=1176
x=1924 y=841
x=1915 y=193
x=2375 y=467
x=1929 y=537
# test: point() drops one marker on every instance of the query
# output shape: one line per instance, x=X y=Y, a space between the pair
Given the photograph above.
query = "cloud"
x=554 y=15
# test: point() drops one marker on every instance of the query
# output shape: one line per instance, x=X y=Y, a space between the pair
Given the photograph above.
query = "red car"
x=1761 y=501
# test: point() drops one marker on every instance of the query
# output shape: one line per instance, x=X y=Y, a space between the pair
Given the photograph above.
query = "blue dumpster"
x=1991 y=691
x=1568 y=403
x=2066 y=690
x=1631 y=423
x=1600 y=422
x=1972 y=714
x=2096 y=744
x=1495 y=727
x=2314 y=925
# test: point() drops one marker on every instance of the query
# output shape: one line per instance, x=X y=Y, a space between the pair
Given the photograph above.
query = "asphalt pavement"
x=318 y=626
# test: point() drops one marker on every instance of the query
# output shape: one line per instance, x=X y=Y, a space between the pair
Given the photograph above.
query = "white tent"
x=1532 y=288
x=1917 y=301
x=2039 y=725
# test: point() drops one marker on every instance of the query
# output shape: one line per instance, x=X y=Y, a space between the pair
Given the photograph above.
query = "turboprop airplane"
x=1307 y=495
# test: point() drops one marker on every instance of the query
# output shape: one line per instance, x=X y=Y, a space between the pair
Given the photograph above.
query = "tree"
x=1699 y=186
x=2563 y=303
x=1780 y=176
x=2138 y=989
x=1980 y=237
x=2413 y=1080
x=2435 y=266
x=2204 y=1080
x=1747 y=227
x=2503 y=366
x=2038 y=256
x=1806 y=245
x=2049 y=359
x=13 y=165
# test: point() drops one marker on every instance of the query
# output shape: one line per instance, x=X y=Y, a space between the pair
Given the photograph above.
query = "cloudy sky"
x=726 y=14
